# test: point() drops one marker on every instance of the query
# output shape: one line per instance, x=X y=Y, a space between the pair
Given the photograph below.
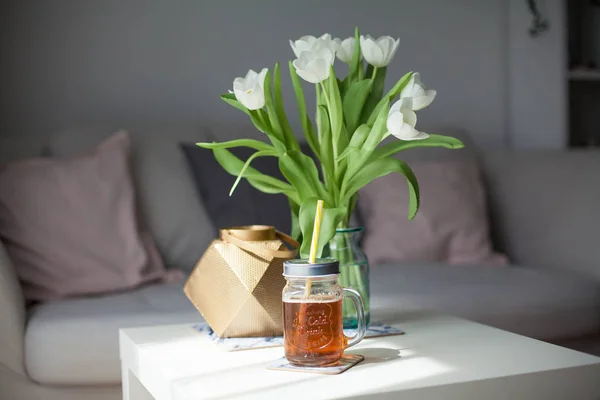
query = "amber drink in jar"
x=312 y=313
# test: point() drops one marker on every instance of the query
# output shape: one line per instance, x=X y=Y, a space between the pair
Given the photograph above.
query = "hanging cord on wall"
x=538 y=23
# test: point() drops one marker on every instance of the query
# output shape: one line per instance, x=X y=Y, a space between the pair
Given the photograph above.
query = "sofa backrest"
x=13 y=148
x=545 y=207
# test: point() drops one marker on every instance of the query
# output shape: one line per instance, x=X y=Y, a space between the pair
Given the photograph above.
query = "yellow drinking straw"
x=313 y=244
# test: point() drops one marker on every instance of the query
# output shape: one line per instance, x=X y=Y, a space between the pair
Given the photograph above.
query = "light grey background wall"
x=68 y=62
x=537 y=96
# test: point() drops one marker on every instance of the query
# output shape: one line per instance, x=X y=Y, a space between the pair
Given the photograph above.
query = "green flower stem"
x=264 y=121
x=328 y=185
x=374 y=73
x=334 y=143
x=351 y=273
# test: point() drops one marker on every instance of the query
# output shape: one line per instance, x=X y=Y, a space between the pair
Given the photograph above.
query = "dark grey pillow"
x=247 y=205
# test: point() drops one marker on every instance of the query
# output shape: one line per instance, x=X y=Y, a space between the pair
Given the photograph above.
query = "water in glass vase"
x=354 y=270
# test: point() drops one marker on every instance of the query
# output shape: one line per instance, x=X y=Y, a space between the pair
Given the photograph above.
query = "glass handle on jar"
x=360 y=313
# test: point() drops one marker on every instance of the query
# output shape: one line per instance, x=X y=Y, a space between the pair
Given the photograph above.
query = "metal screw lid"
x=303 y=268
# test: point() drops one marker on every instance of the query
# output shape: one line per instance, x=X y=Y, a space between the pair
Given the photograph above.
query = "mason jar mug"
x=312 y=313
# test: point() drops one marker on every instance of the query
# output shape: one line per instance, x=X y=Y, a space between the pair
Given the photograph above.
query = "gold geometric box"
x=237 y=283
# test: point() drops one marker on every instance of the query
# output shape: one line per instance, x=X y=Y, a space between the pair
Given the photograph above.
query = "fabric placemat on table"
x=375 y=329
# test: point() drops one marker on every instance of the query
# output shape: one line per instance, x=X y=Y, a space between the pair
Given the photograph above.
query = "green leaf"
x=336 y=111
x=230 y=99
x=342 y=144
x=356 y=64
x=296 y=232
x=327 y=159
x=262 y=153
x=300 y=170
x=307 y=127
x=378 y=130
x=320 y=95
x=356 y=159
x=276 y=128
x=351 y=206
x=376 y=92
x=347 y=152
x=382 y=167
x=354 y=102
x=343 y=87
x=358 y=138
x=259 y=118
x=331 y=219
x=397 y=88
x=253 y=144
x=401 y=145
x=389 y=97
x=259 y=122
x=290 y=139
x=267 y=184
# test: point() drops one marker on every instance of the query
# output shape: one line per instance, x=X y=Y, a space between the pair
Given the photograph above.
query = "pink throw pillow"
x=69 y=225
x=451 y=225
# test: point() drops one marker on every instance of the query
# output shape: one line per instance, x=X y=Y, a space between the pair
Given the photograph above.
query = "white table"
x=439 y=357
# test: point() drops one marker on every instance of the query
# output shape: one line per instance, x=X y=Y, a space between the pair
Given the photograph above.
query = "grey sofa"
x=546 y=218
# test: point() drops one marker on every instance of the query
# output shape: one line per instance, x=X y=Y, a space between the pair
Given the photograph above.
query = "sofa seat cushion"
x=76 y=341
x=547 y=305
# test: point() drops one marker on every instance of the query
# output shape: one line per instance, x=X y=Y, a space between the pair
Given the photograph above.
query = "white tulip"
x=345 y=49
x=378 y=52
x=308 y=42
x=421 y=97
x=250 y=90
x=314 y=65
x=402 y=120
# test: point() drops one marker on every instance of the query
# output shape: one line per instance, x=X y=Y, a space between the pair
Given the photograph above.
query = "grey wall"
x=69 y=62
x=537 y=100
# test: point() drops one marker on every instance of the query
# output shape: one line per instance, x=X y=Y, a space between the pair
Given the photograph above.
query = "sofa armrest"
x=12 y=315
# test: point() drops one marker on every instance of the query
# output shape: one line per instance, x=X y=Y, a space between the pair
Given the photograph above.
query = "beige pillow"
x=451 y=225
x=69 y=225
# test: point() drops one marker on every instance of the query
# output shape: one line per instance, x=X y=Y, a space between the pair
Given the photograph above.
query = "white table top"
x=439 y=357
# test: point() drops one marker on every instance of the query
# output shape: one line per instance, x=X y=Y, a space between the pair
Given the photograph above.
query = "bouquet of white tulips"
x=353 y=117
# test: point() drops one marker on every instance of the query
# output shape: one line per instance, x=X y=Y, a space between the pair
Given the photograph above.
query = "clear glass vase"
x=354 y=270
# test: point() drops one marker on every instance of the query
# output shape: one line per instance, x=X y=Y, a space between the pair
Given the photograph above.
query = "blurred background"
x=517 y=80
x=66 y=62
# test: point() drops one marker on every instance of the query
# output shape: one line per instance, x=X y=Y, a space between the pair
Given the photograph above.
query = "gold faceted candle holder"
x=237 y=283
